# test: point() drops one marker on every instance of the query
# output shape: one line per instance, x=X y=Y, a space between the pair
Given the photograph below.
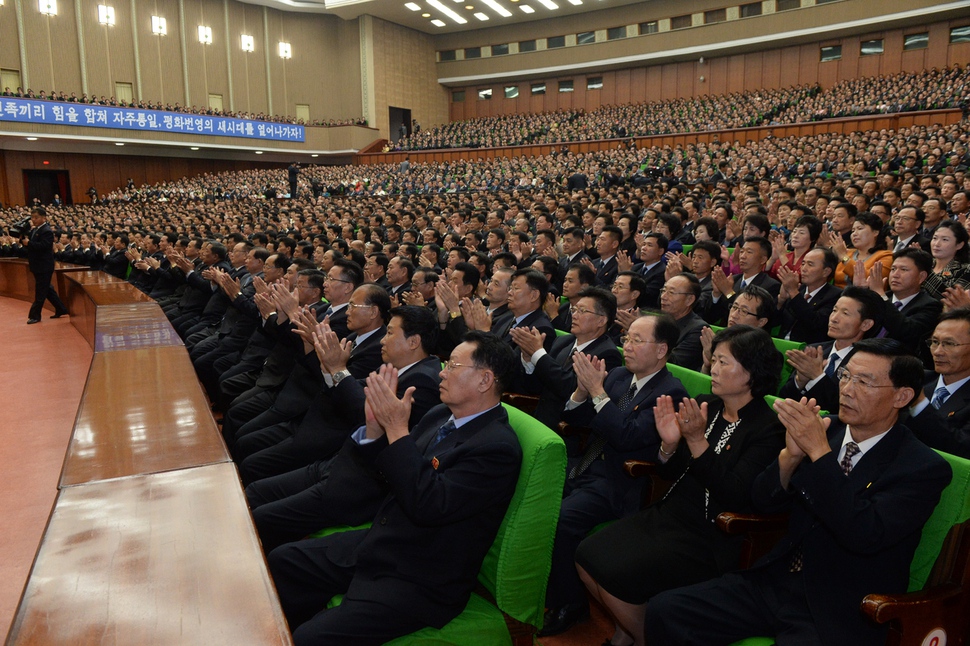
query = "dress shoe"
x=58 y=315
x=559 y=620
x=32 y=321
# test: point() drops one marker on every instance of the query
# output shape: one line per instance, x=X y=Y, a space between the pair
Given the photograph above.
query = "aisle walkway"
x=44 y=368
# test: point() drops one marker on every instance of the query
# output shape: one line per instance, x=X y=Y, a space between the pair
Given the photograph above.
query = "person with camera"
x=39 y=244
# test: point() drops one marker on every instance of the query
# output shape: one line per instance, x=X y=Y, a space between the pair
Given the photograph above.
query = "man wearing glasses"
x=940 y=416
x=859 y=488
x=677 y=298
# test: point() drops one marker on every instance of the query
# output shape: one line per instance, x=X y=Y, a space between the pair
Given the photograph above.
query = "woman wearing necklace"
x=868 y=247
x=712 y=450
x=949 y=247
x=803 y=237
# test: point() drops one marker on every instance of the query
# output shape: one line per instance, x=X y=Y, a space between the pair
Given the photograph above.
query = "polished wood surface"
x=138 y=325
x=16 y=281
x=142 y=412
x=168 y=558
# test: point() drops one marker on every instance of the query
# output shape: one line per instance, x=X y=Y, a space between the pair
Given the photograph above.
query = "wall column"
x=368 y=98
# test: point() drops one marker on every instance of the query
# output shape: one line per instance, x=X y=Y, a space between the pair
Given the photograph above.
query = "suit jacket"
x=40 y=250
x=857 y=533
x=655 y=282
x=689 y=353
x=629 y=436
x=913 y=324
x=564 y=320
x=564 y=263
x=444 y=509
x=808 y=321
x=825 y=392
x=946 y=429
x=555 y=377
x=718 y=312
x=606 y=273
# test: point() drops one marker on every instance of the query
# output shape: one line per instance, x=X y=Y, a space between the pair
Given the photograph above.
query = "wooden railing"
x=150 y=540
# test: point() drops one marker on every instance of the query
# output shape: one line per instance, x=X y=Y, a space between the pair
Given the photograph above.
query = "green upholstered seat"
x=782 y=346
x=696 y=383
x=688 y=248
x=953 y=509
x=516 y=568
x=561 y=332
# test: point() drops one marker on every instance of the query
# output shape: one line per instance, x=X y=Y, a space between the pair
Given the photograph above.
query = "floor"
x=42 y=379
x=593 y=632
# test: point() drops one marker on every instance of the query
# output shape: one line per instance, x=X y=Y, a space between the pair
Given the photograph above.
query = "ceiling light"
x=106 y=15
x=497 y=8
x=48 y=7
x=159 y=26
x=576 y=2
x=118 y=143
x=248 y=43
x=205 y=35
x=448 y=12
x=426 y=15
x=314 y=155
x=438 y=23
x=285 y=50
x=469 y=7
x=412 y=6
x=549 y=4
x=194 y=148
x=31 y=138
x=259 y=152
x=481 y=16
x=526 y=8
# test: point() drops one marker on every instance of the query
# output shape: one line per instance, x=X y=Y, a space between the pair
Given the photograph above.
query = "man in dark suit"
x=594 y=312
x=573 y=242
x=527 y=293
x=677 y=298
x=40 y=260
x=941 y=414
x=858 y=496
x=450 y=480
x=806 y=298
x=578 y=277
x=907 y=225
x=607 y=245
x=399 y=273
x=856 y=315
x=652 y=268
x=619 y=409
x=753 y=255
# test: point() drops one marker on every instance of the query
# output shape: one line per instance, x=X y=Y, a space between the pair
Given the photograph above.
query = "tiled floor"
x=44 y=368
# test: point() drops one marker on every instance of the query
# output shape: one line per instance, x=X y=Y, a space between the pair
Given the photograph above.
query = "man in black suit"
x=527 y=293
x=573 y=248
x=578 y=277
x=618 y=407
x=752 y=256
x=940 y=416
x=806 y=298
x=399 y=273
x=677 y=298
x=859 y=488
x=906 y=226
x=40 y=260
x=450 y=480
x=594 y=312
x=289 y=506
x=856 y=315
x=607 y=245
x=652 y=268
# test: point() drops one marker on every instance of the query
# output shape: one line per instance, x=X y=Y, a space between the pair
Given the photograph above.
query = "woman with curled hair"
x=868 y=248
x=711 y=450
x=950 y=248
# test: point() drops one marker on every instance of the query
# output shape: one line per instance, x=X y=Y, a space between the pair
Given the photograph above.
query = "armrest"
x=525 y=403
x=572 y=430
x=640 y=468
x=882 y=608
x=734 y=524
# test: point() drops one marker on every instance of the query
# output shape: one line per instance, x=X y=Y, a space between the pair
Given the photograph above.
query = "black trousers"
x=44 y=291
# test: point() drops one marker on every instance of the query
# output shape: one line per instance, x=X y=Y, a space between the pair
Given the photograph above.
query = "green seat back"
x=782 y=346
x=696 y=383
x=561 y=332
x=688 y=248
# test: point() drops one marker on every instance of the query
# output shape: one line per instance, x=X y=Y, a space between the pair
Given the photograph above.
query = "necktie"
x=442 y=433
x=899 y=245
x=940 y=395
x=743 y=286
x=830 y=368
x=597 y=442
x=808 y=295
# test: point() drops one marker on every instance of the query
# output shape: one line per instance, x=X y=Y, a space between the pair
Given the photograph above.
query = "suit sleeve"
x=931 y=428
x=817 y=320
x=636 y=432
x=913 y=325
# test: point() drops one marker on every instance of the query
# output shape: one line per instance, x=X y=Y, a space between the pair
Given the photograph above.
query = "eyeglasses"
x=738 y=308
x=946 y=345
x=451 y=365
x=664 y=290
x=329 y=279
x=628 y=340
x=844 y=377
x=356 y=306
x=579 y=310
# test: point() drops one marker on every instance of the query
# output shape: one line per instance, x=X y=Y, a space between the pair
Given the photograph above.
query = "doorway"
x=398 y=117
x=44 y=185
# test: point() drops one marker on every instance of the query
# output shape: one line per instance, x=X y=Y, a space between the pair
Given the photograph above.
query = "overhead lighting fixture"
x=285 y=50
x=106 y=15
x=194 y=148
x=118 y=143
x=31 y=138
x=259 y=152
x=426 y=15
x=576 y=2
x=481 y=16
x=497 y=8
x=48 y=7
x=159 y=26
x=448 y=12
x=526 y=8
x=412 y=6
x=549 y=4
x=248 y=43
x=205 y=35
x=314 y=155
x=469 y=7
x=438 y=23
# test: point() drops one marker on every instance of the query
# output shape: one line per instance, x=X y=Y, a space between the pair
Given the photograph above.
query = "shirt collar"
x=864 y=445
x=955 y=386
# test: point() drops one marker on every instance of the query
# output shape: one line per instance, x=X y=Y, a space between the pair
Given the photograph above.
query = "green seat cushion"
x=696 y=383
x=953 y=508
x=755 y=641
x=479 y=623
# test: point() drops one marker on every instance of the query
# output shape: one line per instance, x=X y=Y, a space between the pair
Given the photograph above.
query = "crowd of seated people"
x=290 y=308
x=54 y=95
x=903 y=92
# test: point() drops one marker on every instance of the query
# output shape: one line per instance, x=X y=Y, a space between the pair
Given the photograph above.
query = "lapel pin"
x=434 y=463
x=951 y=413
x=868 y=485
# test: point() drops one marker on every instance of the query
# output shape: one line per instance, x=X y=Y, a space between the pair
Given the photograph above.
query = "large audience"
x=525 y=275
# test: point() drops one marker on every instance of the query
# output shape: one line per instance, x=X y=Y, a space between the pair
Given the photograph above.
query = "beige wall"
x=324 y=71
x=405 y=75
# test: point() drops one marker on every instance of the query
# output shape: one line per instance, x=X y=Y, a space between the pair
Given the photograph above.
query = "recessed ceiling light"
x=481 y=16
x=469 y=7
x=497 y=8
x=314 y=155
x=447 y=11
x=31 y=138
x=576 y=2
x=118 y=143
x=259 y=152
x=412 y=6
x=549 y=4
x=438 y=23
x=194 y=148
x=526 y=8
x=426 y=15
